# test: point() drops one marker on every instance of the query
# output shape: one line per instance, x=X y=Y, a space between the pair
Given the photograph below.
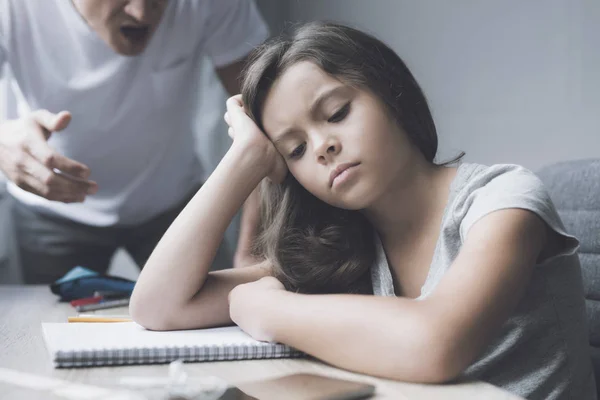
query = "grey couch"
x=575 y=190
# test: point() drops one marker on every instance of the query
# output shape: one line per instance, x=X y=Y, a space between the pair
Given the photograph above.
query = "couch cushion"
x=574 y=187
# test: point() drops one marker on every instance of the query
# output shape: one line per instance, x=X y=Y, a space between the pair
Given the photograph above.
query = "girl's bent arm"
x=430 y=340
x=174 y=289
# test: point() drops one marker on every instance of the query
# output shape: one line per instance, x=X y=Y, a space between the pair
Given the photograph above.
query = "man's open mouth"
x=135 y=33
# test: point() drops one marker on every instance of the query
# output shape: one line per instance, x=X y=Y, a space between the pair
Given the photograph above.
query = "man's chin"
x=129 y=49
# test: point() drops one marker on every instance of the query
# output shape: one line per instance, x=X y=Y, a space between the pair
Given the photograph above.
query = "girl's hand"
x=249 y=303
x=245 y=133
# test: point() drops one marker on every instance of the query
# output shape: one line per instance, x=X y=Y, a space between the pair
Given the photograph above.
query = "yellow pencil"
x=98 y=319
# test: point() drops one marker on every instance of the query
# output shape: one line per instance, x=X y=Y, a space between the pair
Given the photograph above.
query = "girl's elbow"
x=150 y=322
x=143 y=314
x=442 y=368
x=433 y=361
x=442 y=364
x=425 y=366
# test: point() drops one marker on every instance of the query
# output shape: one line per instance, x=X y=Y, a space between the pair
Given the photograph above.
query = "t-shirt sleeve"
x=234 y=28
x=518 y=188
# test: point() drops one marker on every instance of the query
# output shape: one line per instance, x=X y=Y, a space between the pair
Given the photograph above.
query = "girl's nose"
x=328 y=149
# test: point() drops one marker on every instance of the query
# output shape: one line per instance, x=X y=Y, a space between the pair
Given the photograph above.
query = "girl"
x=375 y=259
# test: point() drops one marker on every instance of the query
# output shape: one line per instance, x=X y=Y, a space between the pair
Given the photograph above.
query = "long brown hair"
x=315 y=247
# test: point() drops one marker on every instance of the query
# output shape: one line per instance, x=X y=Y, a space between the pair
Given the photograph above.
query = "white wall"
x=509 y=81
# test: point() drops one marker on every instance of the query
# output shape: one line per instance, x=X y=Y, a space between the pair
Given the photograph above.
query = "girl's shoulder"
x=471 y=177
x=476 y=183
x=478 y=190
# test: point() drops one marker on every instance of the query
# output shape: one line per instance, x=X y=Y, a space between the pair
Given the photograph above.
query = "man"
x=112 y=162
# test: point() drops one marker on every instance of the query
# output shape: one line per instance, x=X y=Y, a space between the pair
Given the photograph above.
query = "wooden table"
x=22 y=349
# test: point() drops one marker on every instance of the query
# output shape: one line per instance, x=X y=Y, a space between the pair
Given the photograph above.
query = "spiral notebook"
x=126 y=343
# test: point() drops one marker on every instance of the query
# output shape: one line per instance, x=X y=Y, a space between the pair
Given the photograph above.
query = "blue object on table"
x=81 y=282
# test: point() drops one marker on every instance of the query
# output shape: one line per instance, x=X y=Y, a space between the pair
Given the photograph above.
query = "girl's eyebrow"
x=324 y=95
x=283 y=136
x=321 y=98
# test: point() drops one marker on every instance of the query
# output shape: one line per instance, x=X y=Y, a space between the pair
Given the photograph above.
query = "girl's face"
x=338 y=141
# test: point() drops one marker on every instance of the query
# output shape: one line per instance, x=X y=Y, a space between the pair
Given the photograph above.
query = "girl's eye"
x=298 y=151
x=340 y=114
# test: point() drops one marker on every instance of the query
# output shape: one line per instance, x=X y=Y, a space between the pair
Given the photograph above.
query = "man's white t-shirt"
x=132 y=116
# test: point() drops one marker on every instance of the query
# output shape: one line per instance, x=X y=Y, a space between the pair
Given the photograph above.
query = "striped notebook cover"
x=127 y=343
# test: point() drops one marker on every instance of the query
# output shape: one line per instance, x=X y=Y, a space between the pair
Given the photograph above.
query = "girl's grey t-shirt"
x=541 y=351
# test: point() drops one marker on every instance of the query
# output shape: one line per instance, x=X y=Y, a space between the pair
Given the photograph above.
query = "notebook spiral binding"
x=156 y=355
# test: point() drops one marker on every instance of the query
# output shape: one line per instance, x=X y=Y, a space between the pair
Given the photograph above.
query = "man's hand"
x=29 y=162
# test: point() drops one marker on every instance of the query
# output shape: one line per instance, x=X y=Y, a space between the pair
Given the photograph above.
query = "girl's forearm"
x=249 y=223
x=179 y=265
x=381 y=336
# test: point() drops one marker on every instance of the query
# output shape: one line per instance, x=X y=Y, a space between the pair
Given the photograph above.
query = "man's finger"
x=56 y=185
x=66 y=186
x=62 y=121
x=50 y=121
x=33 y=185
x=47 y=156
